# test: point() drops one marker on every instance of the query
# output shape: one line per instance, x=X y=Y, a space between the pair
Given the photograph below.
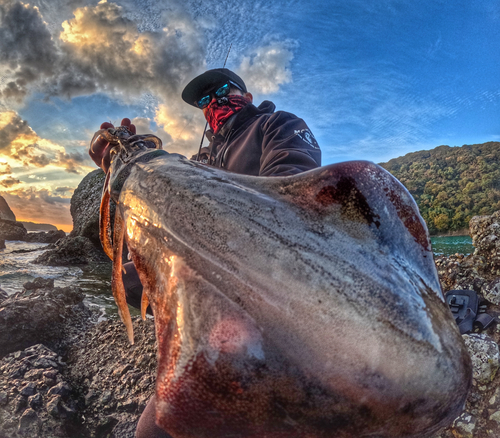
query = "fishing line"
x=206 y=123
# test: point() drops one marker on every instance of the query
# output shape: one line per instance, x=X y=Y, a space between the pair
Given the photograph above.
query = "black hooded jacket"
x=261 y=142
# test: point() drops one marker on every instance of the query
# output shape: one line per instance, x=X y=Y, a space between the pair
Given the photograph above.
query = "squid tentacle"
x=117 y=280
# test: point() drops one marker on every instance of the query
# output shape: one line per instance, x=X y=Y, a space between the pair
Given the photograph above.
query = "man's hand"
x=100 y=148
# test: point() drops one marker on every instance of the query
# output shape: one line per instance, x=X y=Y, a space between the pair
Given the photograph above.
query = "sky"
x=374 y=80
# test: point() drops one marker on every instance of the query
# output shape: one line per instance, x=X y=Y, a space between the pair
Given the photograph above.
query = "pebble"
x=464 y=426
x=29 y=389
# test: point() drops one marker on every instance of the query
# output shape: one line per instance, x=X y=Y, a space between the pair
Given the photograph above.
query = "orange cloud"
x=9 y=182
x=39 y=206
x=5 y=169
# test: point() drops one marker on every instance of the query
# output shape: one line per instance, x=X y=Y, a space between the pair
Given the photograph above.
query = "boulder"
x=5 y=211
x=32 y=403
x=11 y=230
x=82 y=246
x=37 y=315
x=480 y=272
x=32 y=226
x=72 y=251
x=485 y=232
x=46 y=237
x=485 y=357
x=117 y=379
x=89 y=381
x=85 y=205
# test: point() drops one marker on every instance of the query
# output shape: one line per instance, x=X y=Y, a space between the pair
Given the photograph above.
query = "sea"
x=17 y=267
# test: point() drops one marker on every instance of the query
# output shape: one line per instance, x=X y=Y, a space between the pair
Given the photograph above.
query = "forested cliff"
x=451 y=184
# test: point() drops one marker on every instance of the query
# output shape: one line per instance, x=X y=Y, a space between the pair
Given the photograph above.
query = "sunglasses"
x=220 y=92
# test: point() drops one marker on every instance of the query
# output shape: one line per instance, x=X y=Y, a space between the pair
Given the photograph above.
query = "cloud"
x=180 y=133
x=5 y=169
x=9 y=182
x=26 y=47
x=38 y=206
x=98 y=50
x=12 y=128
x=268 y=67
x=71 y=162
x=63 y=190
x=101 y=50
x=19 y=143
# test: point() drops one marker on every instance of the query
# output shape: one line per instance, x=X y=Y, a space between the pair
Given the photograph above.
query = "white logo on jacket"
x=307 y=136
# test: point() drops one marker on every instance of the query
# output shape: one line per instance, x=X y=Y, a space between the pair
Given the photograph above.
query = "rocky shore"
x=82 y=246
x=64 y=373
x=67 y=375
x=10 y=229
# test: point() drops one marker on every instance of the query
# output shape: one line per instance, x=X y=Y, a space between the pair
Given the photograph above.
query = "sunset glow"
x=373 y=81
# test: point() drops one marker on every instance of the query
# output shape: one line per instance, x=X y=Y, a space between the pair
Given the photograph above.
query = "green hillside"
x=451 y=184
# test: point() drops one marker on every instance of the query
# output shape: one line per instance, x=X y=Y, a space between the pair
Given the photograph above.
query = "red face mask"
x=217 y=115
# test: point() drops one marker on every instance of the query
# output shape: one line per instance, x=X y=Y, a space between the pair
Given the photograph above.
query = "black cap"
x=211 y=78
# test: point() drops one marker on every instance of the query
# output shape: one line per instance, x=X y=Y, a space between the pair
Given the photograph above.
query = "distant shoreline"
x=464 y=232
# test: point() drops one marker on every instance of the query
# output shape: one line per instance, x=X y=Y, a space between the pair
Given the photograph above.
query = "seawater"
x=449 y=245
x=17 y=267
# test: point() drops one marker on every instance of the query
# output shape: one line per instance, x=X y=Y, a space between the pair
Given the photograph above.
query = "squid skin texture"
x=303 y=306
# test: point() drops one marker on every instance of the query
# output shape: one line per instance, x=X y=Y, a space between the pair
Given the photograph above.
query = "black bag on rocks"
x=468 y=310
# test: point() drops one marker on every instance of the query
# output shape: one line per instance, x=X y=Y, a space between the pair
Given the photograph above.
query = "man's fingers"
x=126 y=122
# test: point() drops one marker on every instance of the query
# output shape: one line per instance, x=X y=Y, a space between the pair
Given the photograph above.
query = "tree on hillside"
x=451 y=184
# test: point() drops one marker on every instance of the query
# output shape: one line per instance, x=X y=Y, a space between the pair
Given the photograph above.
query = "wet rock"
x=2 y=244
x=41 y=313
x=5 y=211
x=99 y=389
x=19 y=403
x=24 y=415
x=45 y=237
x=29 y=423
x=28 y=389
x=117 y=378
x=72 y=251
x=61 y=389
x=4 y=398
x=85 y=204
x=11 y=230
x=82 y=247
x=53 y=405
x=3 y=295
x=35 y=401
x=39 y=283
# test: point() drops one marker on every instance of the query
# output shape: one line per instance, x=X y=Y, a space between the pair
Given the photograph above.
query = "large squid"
x=305 y=306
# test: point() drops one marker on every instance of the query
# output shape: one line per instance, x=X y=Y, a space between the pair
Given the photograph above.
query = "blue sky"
x=373 y=80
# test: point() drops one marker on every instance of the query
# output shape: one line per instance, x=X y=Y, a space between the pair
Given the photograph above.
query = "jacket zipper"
x=222 y=153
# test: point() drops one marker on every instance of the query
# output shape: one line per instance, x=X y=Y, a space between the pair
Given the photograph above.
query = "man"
x=244 y=139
